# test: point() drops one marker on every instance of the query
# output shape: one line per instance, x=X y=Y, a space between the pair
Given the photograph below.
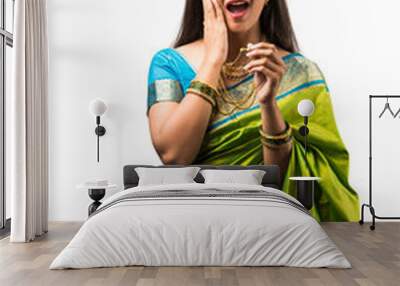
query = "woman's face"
x=242 y=15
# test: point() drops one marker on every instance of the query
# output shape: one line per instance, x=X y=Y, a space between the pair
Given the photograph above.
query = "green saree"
x=234 y=139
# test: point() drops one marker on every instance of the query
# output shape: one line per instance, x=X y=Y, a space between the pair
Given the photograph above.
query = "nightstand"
x=96 y=193
x=305 y=190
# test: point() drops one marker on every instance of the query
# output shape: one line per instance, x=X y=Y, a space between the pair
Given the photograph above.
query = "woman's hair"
x=274 y=21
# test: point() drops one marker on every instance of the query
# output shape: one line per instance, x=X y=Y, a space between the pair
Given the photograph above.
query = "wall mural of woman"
x=227 y=93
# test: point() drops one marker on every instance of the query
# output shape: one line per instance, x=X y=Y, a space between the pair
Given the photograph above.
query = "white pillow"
x=247 y=177
x=166 y=176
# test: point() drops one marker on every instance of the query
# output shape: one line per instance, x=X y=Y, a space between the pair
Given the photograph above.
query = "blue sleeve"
x=163 y=83
x=161 y=67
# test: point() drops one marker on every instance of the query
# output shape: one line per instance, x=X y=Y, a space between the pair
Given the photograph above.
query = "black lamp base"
x=304 y=131
x=96 y=195
x=100 y=130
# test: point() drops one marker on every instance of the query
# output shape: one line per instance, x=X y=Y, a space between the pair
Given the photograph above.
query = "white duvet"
x=200 y=232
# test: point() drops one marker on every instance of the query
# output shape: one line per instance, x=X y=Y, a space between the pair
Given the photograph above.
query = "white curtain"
x=28 y=123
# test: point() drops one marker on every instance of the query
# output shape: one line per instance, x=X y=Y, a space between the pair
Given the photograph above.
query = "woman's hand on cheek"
x=268 y=68
x=215 y=33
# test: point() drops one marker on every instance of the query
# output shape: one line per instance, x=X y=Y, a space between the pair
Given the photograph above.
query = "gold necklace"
x=226 y=95
x=226 y=104
x=233 y=71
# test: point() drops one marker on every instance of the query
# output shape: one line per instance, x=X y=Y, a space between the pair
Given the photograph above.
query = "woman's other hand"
x=215 y=33
x=269 y=70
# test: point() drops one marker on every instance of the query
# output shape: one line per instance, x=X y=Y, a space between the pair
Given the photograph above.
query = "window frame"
x=6 y=39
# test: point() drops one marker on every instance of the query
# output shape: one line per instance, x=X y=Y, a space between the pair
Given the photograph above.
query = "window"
x=6 y=44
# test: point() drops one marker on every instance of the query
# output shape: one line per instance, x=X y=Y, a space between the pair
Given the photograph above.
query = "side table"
x=96 y=193
x=305 y=188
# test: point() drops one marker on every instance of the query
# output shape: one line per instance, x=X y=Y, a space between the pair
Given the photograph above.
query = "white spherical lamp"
x=97 y=107
x=305 y=108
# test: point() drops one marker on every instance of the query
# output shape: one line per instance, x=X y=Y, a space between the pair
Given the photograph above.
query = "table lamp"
x=97 y=107
x=306 y=109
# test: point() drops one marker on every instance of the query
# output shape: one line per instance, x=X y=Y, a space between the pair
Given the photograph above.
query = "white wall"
x=102 y=48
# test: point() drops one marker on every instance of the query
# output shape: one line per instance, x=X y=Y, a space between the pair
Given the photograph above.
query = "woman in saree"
x=227 y=94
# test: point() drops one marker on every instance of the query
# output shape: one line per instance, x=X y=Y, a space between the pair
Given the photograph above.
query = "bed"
x=198 y=224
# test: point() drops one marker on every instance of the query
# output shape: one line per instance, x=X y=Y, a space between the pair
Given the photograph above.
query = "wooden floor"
x=375 y=257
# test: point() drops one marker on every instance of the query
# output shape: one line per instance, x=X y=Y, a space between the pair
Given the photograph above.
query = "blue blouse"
x=170 y=75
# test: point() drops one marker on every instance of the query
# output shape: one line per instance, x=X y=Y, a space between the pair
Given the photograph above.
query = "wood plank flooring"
x=375 y=257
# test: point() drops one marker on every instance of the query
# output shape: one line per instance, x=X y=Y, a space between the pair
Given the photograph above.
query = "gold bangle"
x=277 y=142
x=203 y=88
x=282 y=136
x=275 y=146
x=206 y=97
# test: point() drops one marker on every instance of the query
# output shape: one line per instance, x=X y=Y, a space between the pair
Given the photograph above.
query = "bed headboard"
x=271 y=178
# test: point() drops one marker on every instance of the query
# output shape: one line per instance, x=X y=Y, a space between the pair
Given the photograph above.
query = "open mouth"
x=237 y=8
